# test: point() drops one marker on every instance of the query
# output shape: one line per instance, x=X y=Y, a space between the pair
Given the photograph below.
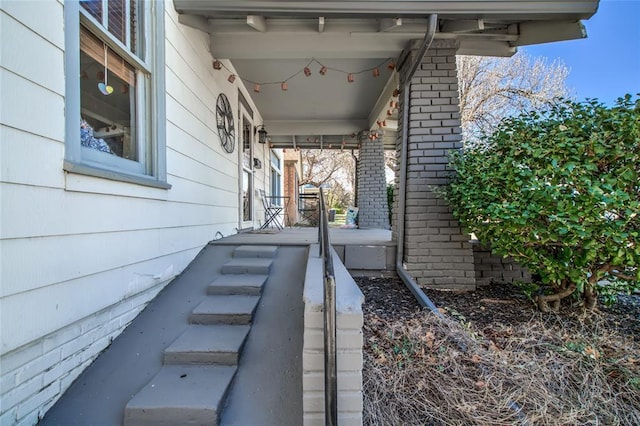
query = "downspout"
x=402 y=191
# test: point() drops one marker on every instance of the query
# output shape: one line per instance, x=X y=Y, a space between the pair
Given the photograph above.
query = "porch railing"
x=330 y=352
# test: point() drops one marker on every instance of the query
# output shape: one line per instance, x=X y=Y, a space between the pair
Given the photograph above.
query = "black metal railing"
x=330 y=350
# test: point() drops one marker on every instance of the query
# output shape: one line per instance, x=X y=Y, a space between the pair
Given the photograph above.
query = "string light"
x=306 y=70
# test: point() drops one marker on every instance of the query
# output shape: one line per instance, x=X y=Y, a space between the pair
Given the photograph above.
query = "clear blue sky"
x=606 y=64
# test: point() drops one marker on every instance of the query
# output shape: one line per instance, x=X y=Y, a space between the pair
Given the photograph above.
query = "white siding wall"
x=81 y=256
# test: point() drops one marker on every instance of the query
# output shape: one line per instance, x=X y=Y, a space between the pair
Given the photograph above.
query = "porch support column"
x=437 y=252
x=372 y=185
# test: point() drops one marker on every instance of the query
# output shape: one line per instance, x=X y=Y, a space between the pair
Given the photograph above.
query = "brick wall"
x=437 y=253
x=349 y=344
x=490 y=268
x=372 y=186
x=34 y=377
x=291 y=191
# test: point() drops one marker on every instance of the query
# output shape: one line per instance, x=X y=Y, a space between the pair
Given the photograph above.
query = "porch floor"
x=306 y=236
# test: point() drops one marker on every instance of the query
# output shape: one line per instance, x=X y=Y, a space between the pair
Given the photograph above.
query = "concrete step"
x=256 y=251
x=208 y=344
x=225 y=310
x=181 y=395
x=243 y=284
x=246 y=265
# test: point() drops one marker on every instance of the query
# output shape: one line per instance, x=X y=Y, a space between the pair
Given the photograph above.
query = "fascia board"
x=580 y=9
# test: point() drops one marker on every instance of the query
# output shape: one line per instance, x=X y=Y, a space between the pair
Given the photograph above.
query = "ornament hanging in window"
x=104 y=87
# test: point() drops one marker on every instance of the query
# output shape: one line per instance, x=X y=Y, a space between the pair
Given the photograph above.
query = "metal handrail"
x=330 y=350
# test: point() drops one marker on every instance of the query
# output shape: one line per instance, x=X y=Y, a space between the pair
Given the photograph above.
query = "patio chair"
x=271 y=211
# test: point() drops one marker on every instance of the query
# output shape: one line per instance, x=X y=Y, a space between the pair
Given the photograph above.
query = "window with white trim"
x=115 y=90
x=276 y=178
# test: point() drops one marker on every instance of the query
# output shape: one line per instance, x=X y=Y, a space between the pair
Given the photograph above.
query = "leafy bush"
x=559 y=191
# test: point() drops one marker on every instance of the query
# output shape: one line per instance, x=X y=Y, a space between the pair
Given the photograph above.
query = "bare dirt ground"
x=495 y=359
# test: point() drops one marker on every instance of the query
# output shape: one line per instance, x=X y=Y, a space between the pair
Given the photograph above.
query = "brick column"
x=372 y=186
x=437 y=252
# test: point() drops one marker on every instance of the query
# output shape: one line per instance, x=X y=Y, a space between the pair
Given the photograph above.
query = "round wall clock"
x=226 y=129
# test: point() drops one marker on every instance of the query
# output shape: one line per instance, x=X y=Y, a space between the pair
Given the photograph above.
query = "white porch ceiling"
x=271 y=41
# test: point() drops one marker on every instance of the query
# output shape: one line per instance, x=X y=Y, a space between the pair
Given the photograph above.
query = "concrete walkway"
x=268 y=388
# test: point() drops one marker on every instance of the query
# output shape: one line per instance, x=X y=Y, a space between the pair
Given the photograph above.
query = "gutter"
x=415 y=289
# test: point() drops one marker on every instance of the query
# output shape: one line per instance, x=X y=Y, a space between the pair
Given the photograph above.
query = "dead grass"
x=423 y=370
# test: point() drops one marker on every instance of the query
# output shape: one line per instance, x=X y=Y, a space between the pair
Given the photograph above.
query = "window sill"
x=104 y=173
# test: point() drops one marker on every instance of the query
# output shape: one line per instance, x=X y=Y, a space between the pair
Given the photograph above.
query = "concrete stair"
x=246 y=265
x=250 y=285
x=200 y=365
x=204 y=344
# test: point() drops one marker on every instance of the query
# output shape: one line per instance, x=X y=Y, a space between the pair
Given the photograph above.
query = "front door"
x=246 y=172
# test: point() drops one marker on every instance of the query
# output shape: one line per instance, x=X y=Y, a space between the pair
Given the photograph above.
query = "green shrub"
x=558 y=191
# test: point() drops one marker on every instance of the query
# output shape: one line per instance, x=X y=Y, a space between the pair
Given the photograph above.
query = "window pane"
x=275 y=161
x=94 y=7
x=117 y=20
x=108 y=121
x=247 y=157
x=134 y=29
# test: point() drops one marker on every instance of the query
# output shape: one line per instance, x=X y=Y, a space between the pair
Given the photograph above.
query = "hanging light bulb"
x=232 y=78
x=256 y=88
x=323 y=70
x=376 y=72
x=391 y=65
x=379 y=123
x=217 y=65
x=284 y=86
x=389 y=112
x=350 y=78
x=396 y=93
x=384 y=123
x=307 y=71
